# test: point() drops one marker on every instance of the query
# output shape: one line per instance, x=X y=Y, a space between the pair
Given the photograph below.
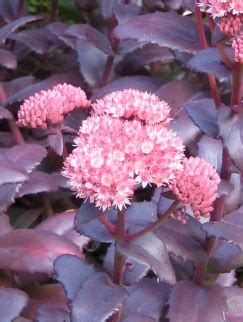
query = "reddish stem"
x=224 y=57
x=155 y=225
x=236 y=84
x=108 y=225
x=16 y=132
x=107 y=71
x=204 y=45
x=53 y=10
x=20 y=9
x=119 y=260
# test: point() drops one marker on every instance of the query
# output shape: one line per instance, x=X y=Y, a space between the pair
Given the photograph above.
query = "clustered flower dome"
x=112 y=155
x=220 y=8
x=134 y=104
x=49 y=107
x=237 y=45
x=230 y=24
x=196 y=185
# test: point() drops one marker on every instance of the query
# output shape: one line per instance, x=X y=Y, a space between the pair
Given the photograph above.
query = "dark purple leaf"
x=37 y=182
x=27 y=218
x=62 y=224
x=40 y=41
x=97 y=299
x=51 y=295
x=185 y=90
x=74 y=120
x=173 y=4
x=148 y=298
x=234 y=298
x=58 y=29
x=165 y=29
x=133 y=271
x=91 y=61
x=8 y=59
x=230 y=130
x=95 y=230
x=5 y=226
x=183 y=270
x=190 y=4
x=138 y=59
x=234 y=197
x=204 y=114
x=26 y=156
x=211 y=150
x=185 y=129
x=192 y=229
x=8 y=9
x=217 y=36
x=7 y=194
x=72 y=273
x=150 y=250
x=92 y=36
x=229 y=228
x=105 y=7
x=10 y=173
x=12 y=302
x=142 y=83
x=33 y=251
x=46 y=313
x=141 y=213
x=17 y=84
x=5 y=114
x=87 y=212
x=208 y=61
x=14 y=25
x=55 y=141
x=48 y=83
x=190 y=302
x=181 y=245
x=124 y=12
x=225 y=258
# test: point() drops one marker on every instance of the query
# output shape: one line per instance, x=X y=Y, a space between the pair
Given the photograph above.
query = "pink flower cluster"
x=112 y=155
x=237 y=45
x=230 y=24
x=49 y=107
x=133 y=104
x=196 y=185
x=219 y=8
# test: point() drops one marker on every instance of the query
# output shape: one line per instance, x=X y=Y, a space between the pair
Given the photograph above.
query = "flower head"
x=196 y=185
x=230 y=24
x=133 y=104
x=113 y=155
x=50 y=106
x=219 y=8
x=237 y=45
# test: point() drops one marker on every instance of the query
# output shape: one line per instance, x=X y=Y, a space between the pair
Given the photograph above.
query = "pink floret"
x=134 y=104
x=49 y=107
x=196 y=185
x=113 y=155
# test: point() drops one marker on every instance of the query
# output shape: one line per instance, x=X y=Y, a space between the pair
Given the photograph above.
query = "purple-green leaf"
x=165 y=29
x=12 y=302
x=191 y=302
x=33 y=251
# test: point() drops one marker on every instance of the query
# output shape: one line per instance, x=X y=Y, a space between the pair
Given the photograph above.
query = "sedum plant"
x=121 y=159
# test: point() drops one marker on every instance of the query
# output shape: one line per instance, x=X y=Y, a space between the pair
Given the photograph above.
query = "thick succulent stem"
x=162 y=219
x=204 y=45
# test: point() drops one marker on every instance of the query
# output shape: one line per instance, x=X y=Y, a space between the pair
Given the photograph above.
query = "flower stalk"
x=204 y=45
